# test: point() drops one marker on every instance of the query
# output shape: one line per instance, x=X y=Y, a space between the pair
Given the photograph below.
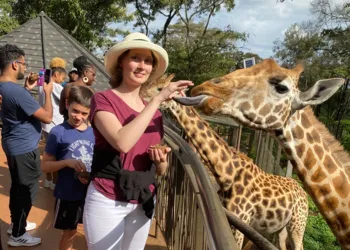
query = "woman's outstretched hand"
x=169 y=91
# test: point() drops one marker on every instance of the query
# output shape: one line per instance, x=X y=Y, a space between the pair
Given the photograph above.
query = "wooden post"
x=258 y=147
x=277 y=168
x=271 y=158
x=239 y=135
x=262 y=152
x=289 y=170
x=235 y=134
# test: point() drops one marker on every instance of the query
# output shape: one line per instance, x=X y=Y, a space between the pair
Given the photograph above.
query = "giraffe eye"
x=159 y=89
x=282 y=89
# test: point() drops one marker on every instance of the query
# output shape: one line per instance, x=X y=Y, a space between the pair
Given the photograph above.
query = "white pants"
x=113 y=225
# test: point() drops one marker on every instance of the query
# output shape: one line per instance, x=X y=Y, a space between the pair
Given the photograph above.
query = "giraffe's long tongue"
x=190 y=101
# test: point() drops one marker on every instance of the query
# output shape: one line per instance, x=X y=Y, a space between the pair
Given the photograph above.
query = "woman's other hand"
x=160 y=158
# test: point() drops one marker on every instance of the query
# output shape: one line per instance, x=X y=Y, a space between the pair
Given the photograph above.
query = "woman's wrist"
x=161 y=167
x=158 y=99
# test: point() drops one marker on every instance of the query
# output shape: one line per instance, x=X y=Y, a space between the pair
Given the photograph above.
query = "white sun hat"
x=136 y=41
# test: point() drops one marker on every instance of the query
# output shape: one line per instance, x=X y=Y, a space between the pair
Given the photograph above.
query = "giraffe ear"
x=319 y=93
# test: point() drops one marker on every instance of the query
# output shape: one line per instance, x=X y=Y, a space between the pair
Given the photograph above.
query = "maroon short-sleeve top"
x=137 y=158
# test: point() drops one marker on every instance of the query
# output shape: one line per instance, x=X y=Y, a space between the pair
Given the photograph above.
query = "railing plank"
x=216 y=226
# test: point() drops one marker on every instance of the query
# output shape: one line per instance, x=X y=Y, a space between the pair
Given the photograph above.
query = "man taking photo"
x=21 y=115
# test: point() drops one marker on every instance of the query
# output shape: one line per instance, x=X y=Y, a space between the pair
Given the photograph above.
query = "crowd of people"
x=98 y=156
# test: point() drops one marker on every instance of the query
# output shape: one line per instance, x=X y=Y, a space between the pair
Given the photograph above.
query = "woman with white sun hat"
x=120 y=198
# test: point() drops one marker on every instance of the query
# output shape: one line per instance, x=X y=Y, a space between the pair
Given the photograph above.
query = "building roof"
x=42 y=39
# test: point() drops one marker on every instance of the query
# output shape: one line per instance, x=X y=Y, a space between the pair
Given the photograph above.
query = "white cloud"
x=264 y=20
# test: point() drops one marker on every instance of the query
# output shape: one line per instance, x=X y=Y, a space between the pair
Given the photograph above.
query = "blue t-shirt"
x=21 y=130
x=66 y=142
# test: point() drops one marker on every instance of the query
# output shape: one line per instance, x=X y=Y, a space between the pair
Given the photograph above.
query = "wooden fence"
x=258 y=145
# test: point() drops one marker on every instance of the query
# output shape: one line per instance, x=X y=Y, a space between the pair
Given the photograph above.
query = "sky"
x=264 y=20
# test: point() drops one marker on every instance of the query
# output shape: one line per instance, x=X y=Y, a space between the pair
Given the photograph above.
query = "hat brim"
x=111 y=57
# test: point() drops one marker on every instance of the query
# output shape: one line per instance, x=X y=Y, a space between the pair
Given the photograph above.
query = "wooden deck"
x=42 y=214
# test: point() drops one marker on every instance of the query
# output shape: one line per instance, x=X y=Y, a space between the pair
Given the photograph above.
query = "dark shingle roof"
x=42 y=39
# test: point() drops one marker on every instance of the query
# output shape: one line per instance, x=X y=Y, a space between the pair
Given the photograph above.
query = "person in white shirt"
x=59 y=74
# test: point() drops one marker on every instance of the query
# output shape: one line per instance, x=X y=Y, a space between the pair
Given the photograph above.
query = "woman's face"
x=137 y=66
x=91 y=75
x=73 y=76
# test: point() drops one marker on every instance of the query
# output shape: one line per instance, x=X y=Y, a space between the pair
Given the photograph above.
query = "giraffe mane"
x=337 y=150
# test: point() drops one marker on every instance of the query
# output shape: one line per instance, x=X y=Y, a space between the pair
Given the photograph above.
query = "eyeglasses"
x=23 y=63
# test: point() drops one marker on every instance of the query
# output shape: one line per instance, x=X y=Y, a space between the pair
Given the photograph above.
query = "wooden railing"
x=189 y=212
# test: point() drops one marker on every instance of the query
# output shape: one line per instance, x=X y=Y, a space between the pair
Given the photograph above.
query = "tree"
x=7 y=22
x=334 y=23
x=301 y=42
x=86 y=20
x=201 y=59
x=239 y=56
x=173 y=10
x=196 y=51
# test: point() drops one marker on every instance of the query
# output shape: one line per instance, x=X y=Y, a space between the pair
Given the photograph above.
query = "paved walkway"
x=42 y=214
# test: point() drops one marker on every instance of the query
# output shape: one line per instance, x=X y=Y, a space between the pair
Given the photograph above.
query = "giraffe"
x=266 y=97
x=270 y=204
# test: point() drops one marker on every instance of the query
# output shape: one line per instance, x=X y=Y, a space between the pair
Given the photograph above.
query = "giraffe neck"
x=223 y=161
x=307 y=144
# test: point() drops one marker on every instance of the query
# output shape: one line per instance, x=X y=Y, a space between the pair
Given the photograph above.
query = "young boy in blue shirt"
x=69 y=150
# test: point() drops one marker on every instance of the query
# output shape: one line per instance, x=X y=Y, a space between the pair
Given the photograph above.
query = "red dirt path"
x=42 y=214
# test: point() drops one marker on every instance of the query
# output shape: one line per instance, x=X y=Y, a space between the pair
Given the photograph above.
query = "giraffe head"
x=263 y=96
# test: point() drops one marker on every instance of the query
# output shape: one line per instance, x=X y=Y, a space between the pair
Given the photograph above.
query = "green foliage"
x=86 y=20
x=147 y=12
x=7 y=22
x=197 y=57
x=300 y=42
x=318 y=236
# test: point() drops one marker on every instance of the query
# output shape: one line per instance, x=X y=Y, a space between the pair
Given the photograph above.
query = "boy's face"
x=77 y=114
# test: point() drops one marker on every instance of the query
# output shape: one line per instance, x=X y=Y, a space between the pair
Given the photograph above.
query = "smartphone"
x=41 y=77
x=47 y=76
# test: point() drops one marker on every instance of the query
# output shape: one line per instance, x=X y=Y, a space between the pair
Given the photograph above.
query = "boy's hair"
x=80 y=95
x=8 y=54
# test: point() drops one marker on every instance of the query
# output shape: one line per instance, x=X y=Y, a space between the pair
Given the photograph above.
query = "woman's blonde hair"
x=57 y=62
x=117 y=78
